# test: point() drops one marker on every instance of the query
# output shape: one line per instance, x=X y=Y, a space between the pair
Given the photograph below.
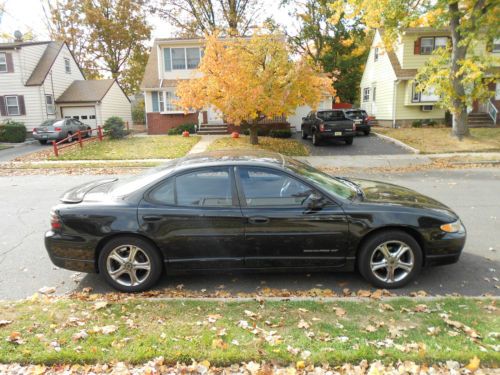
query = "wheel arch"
x=103 y=241
x=408 y=230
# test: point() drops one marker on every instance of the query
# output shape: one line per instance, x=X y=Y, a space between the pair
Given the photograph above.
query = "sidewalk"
x=204 y=142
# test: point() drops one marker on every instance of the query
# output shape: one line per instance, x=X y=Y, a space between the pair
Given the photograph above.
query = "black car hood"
x=384 y=193
x=95 y=188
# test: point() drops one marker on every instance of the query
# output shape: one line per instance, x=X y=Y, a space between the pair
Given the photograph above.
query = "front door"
x=280 y=230
x=196 y=220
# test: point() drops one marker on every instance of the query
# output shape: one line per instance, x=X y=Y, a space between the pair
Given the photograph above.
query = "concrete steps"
x=212 y=129
x=480 y=120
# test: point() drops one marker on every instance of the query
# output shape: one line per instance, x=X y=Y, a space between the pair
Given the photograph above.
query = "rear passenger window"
x=209 y=187
x=165 y=193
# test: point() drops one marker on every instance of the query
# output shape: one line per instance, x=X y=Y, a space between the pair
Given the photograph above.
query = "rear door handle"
x=258 y=220
x=151 y=218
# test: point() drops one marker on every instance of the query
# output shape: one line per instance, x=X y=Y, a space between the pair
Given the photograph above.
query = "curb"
x=398 y=142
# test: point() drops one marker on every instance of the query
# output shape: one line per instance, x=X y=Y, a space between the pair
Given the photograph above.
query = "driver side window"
x=264 y=187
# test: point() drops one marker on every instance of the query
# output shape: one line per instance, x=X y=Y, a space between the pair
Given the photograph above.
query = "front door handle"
x=151 y=218
x=258 y=220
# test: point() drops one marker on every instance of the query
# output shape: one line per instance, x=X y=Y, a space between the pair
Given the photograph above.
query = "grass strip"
x=289 y=147
x=61 y=330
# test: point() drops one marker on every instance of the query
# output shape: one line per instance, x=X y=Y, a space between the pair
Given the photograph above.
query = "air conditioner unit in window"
x=426 y=108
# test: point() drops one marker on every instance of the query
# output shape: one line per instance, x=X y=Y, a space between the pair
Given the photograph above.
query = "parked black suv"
x=328 y=124
x=360 y=118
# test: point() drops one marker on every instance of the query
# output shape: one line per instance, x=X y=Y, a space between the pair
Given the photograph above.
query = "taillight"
x=57 y=129
x=354 y=127
x=321 y=127
x=34 y=130
x=55 y=221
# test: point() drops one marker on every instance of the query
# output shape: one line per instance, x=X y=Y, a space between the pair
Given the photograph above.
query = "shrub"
x=115 y=127
x=139 y=113
x=416 y=124
x=190 y=127
x=12 y=131
x=260 y=132
x=280 y=133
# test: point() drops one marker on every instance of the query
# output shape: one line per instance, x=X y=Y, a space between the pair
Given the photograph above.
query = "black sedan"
x=249 y=211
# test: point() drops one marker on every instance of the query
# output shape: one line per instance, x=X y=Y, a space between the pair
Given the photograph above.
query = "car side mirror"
x=315 y=202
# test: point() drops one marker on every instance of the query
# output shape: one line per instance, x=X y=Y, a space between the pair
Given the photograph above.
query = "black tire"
x=70 y=137
x=42 y=141
x=315 y=139
x=392 y=238
x=366 y=132
x=304 y=134
x=88 y=134
x=348 y=141
x=146 y=253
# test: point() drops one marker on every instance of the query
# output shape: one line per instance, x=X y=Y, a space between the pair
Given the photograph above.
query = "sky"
x=24 y=15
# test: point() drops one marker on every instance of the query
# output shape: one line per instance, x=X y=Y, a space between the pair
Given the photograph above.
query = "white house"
x=35 y=76
x=175 y=59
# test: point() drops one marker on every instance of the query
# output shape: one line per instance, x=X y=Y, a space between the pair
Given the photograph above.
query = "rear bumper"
x=70 y=252
x=363 y=127
x=336 y=134
x=46 y=136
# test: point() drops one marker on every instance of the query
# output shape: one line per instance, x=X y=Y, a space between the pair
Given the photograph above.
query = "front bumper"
x=336 y=134
x=446 y=250
x=71 y=252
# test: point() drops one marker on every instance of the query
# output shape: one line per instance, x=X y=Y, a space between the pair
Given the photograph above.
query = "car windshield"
x=331 y=184
x=327 y=115
x=128 y=185
x=48 y=122
x=356 y=113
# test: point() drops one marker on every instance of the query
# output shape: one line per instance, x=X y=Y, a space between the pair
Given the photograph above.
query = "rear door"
x=195 y=219
x=280 y=230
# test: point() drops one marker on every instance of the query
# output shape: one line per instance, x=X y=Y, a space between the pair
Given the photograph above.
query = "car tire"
x=88 y=134
x=42 y=141
x=304 y=134
x=366 y=132
x=348 y=141
x=315 y=139
x=380 y=263
x=117 y=259
x=70 y=137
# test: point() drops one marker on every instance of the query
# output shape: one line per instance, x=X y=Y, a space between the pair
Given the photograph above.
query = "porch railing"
x=492 y=111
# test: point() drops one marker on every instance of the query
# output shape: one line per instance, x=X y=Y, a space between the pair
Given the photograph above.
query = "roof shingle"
x=44 y=64
x=86 y=91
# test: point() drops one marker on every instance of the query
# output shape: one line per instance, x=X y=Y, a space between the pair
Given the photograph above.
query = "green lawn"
x=439 y=140
x=135 y=330
x=3 y=147
x=289 y=147
x=149 y=147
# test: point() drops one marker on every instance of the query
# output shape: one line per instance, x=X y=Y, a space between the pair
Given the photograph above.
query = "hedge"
x=12 y=131
x=191 y=128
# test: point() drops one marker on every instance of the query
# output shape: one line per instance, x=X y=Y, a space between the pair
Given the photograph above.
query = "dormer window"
x=429 y=44
x=375 y=54
x=181 y=58
x=67 y=66
x=3 y=62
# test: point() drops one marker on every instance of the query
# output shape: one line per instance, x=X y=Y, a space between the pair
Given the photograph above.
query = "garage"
x=84 y=114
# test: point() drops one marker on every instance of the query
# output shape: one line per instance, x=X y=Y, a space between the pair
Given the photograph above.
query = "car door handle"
x=258 y=220
x=151 y=218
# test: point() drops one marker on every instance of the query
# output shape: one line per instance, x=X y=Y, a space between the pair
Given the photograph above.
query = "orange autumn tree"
x=249 y=80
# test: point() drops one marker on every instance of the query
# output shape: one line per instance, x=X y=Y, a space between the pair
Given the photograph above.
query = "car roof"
x=232 y=157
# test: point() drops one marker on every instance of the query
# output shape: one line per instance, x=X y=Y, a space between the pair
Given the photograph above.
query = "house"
x=42 y=80
x=175 y=59
x=388 y=83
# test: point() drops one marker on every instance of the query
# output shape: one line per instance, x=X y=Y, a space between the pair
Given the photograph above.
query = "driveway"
x=362 y=145
x=14 y=152
x=25 y=266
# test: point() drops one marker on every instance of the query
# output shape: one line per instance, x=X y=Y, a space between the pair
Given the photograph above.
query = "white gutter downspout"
x=396 y=82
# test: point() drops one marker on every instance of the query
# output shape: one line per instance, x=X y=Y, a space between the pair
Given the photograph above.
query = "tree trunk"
x=254 y=133
x=460 y=127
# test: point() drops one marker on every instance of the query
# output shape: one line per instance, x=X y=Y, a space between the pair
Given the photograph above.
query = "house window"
x=192 y=57
x=51 y=108
x=161 y=102
x=440 y=42
x=426 y=46
x=178 y=58
x=12 y=106
x=67 y=65
x=3 y=62
x=167 y=59
x=170 y=98
x=496 y=45
x=92 y=117
x=366 y=94
x=376 y=54
x=426 y=96
x=415 y=96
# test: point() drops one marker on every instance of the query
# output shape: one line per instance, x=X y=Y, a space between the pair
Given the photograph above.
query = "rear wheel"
x=390 y=259
x=130 y=264
x=88 y=134
x=366 y=132
x=348 y=141
x=315 y=139
x=70 y=137
x=43 y=141
x=304 y=134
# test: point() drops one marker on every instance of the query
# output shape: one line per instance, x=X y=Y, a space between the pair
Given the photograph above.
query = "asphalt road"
x=362 y=145
x=473 y=194
x=14 y=152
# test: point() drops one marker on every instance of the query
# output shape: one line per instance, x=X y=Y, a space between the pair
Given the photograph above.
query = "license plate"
x=357 y=121
x=44 y=136
x=338 y=133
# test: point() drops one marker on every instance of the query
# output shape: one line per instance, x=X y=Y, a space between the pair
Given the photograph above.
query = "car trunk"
x=95 y=191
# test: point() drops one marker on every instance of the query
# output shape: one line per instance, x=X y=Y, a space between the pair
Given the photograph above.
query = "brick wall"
x=161 y=123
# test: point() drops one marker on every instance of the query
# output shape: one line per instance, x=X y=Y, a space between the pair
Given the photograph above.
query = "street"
x=473 y=194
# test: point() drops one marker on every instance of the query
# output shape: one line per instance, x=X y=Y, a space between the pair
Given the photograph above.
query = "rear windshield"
x=356 y=113
x=58 y=123
x=330 y=115
x=48 y=123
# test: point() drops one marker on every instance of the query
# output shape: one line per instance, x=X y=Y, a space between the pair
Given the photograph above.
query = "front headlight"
x=455 y=227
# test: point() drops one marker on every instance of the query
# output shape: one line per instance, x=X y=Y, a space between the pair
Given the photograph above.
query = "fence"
x=81 y=138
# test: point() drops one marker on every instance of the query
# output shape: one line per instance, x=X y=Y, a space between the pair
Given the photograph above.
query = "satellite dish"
x=18 y=35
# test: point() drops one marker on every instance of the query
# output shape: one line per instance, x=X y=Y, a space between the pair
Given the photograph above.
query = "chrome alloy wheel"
x=392 y=261
x=128 y=265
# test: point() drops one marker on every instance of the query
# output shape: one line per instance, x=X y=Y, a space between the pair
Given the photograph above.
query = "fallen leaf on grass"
x=15 y=338
x=339 y=311
x=106 y=330
x=386 y=307
x=80 y=335
x=421 y=308
x=219 y=344
x=100 y=305
x=460 y=326
x=370 y=328
x=303 y=324
x=5 y=322
x=47 y=290
x=473 y=364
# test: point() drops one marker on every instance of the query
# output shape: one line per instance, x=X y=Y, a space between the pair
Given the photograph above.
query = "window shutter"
x=167 y=63
x=3 y=112
x=154 y=97
x=22 y=108
x=416 y=47
x=10 y=63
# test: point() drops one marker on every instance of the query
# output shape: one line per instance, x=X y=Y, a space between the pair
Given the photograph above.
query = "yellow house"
x=387 y=86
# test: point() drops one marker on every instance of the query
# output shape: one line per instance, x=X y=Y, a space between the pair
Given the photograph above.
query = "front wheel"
x=390 y=259
x=348 y=141
x=70 y=137
x=304 y=134
x=315 y=139
x=130 y=264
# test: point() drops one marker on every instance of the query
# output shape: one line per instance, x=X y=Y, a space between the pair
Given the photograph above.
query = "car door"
x=306 y=123
x=195 y=219
x=281 y=230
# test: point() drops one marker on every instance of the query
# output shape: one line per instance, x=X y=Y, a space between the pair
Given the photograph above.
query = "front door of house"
x=214 y=117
